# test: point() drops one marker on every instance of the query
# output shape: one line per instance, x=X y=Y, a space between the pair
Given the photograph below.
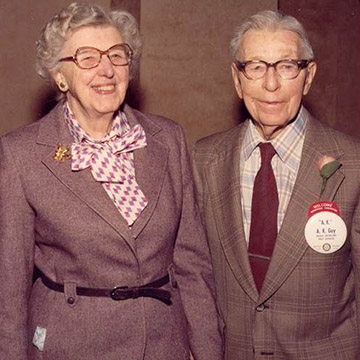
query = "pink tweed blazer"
x=66 y=225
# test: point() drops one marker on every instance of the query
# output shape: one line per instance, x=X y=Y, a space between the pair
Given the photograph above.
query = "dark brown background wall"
x=185 y=69
x=23 y=95
x=334 y=28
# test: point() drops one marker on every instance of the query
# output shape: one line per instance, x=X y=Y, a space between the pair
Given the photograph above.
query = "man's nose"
x=271 y=79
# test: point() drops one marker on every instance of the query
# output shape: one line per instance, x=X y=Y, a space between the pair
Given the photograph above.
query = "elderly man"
x=279 y=195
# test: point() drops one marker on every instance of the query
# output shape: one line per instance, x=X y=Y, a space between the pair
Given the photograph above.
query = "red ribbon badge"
x=319 y=206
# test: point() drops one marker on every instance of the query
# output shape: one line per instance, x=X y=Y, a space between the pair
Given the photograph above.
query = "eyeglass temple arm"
x=69 y=58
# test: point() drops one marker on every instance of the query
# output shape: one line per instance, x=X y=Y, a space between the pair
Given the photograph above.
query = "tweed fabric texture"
x=65 y=224
x=309 y=304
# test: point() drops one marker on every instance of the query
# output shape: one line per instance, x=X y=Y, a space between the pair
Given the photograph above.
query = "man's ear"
x=60 y=81
x=310 y=74
x=236 y=79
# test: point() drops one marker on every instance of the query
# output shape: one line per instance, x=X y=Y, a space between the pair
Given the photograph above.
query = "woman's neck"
x=97 y=128
x=95 y=125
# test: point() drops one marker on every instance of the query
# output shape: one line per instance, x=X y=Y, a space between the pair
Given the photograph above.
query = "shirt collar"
x=119 y=126
x=288 y=144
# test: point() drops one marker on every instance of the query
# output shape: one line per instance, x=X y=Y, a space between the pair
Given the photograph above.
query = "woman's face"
x=97 y=92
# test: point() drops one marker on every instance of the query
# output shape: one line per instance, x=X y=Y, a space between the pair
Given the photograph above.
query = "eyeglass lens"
x=90 y=57
x=286 y=69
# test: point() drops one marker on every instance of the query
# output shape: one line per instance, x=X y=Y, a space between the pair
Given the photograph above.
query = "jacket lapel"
x=291 y=244
x=53 y=131
x=150 y=166
x=223 y=176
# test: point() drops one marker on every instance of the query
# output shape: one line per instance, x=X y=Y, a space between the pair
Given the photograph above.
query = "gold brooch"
x=62 y=153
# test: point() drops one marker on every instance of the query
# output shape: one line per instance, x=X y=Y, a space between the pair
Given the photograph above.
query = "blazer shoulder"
x=216 y=144
x=22 y=132
x=159 y=120
x=21 y=140
x=323 y=132
x=348 y=142
x=157 y=125
x=29 y=132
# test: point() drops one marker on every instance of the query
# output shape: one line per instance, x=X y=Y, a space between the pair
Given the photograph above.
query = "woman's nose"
x=105 y=67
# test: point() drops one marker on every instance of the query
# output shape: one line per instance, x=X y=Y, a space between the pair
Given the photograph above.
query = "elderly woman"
x=98 y=197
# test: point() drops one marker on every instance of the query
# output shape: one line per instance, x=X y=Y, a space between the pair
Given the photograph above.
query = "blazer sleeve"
x=198 y=178
x=194 y=273
x=355 y=250
x=16 y=257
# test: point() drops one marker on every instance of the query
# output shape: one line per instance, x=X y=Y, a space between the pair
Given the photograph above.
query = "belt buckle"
x=123 y=293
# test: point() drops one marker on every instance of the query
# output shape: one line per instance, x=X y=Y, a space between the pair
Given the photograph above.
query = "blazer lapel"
x=150 y=166
x=291 y=244
x=223 y=177
x=82 y=184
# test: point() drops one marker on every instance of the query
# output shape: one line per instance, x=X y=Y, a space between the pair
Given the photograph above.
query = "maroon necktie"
x=264 y=209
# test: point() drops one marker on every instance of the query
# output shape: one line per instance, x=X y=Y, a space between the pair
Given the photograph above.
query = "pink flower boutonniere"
x=327 y=166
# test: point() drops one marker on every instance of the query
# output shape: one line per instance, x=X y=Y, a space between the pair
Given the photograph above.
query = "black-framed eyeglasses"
x=286 y=69
x=89 y=57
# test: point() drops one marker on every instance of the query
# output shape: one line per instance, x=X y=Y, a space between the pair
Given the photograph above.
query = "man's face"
x=272 y=101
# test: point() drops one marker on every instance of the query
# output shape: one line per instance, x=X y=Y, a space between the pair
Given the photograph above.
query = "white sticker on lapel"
x=39 y=338
x=325 y=232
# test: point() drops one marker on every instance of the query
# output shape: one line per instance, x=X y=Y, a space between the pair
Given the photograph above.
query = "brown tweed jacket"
x=309 y=305
x=65 y=224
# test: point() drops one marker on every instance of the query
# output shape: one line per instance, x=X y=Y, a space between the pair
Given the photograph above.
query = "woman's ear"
x=61 y=82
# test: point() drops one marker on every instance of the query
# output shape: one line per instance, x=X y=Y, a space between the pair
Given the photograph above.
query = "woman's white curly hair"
x=76 y=15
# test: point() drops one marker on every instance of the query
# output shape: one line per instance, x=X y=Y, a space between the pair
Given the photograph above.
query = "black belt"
x=120 y=292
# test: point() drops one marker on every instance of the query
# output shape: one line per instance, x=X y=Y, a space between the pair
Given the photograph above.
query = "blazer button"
x=70 y=300
x=260 y=308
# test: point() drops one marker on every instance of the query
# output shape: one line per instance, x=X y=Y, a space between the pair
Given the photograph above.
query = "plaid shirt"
x=288 y=145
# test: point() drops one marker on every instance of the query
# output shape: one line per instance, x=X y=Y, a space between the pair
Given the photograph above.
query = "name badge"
x=325 y=230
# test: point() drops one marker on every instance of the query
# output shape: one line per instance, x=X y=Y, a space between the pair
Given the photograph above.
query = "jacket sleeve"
x=355 y=250
x=194 y=273
x=16 y=258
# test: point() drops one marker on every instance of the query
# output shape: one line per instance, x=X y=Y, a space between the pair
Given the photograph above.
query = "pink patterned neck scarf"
x=111 y=161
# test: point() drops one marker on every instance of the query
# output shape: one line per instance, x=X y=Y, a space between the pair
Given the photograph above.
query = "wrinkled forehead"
x=270 y=45
x=100 y=36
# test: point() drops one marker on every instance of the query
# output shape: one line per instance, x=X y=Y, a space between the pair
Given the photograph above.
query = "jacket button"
x=70 y=300
x=260 y=308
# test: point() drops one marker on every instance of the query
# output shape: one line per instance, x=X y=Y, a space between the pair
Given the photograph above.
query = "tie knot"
x=267 y=151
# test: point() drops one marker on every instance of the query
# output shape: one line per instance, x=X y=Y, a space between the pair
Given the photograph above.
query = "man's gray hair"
x=272 y=20
x=56 y=31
